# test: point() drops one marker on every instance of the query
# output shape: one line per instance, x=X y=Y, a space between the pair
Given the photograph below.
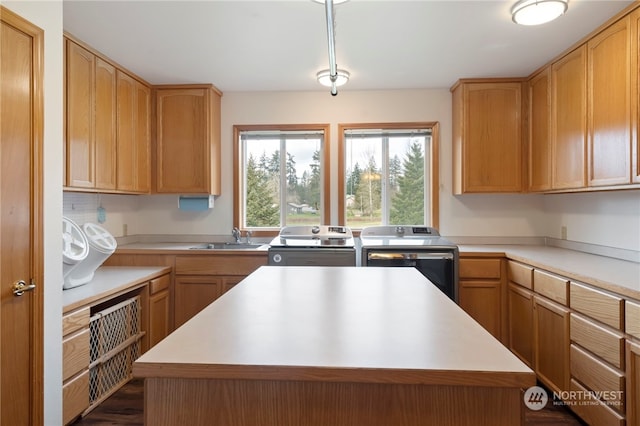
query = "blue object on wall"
x=195 y=203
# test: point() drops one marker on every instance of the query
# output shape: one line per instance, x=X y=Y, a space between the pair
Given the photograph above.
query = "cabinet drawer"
x=632 y=318
x=479 y=268
x=551 y=286
x=158 y=284
x=75 y=397
x=75 y=354
x=605 y=343
x=593 y=412
x=520 y=274
x=597 y=304
x=598 y=376
x=75 y=321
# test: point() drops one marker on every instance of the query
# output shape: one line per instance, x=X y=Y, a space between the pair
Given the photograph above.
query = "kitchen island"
x=293 y=346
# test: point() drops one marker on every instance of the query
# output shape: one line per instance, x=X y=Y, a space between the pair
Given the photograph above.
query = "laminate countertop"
x=619 y=276
x=109 y=281
x=350 y=324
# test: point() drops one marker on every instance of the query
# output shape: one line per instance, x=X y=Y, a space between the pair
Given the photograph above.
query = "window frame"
x=434 y=158
x=238 y=199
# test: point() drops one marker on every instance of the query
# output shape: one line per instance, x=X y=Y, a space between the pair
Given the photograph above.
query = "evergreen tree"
x=313 y=185
x=262 y=207
x=407 y=205
x=353 y=180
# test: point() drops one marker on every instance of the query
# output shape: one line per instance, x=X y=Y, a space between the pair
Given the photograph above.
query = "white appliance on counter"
x=101 y=245
x=75 y=247
x=313 y=245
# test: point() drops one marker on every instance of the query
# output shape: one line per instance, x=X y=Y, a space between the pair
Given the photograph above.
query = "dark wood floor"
x=125 y=407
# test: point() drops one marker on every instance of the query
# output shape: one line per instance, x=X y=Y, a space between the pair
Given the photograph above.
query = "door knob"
x=19 y=287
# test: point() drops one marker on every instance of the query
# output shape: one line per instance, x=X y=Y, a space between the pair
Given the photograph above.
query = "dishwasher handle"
x=385 y=255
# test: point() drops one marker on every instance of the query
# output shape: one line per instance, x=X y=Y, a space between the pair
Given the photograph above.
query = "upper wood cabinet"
x=133 y=134
x=107 y=125
x=539 y=131
x=609 y=107
x=635 y=95
x=80 y=94
x=487 y=136
x=187 y=151
x=568 y=123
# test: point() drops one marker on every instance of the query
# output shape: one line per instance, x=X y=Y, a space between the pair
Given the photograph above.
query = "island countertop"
x=359 y=325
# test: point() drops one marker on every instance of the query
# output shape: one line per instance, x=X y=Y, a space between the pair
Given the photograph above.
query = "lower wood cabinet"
x=520 y=302
x=159 y=309
x=551 y=343
x=75 y=364
x=202 y=279
x=103 y=333
x=480 y=292
x=633 y=382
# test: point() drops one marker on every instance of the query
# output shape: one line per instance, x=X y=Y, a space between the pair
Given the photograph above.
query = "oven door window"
x=437 y=267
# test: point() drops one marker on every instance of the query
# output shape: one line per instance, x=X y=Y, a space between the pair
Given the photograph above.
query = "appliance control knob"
x=400 y=230
x=315 y=230
x=277 y=258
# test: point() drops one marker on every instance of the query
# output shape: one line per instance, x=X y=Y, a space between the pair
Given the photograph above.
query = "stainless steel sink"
x=226 y=246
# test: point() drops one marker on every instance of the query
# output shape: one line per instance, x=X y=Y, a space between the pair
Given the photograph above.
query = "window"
x=389 y=174
x=280 y=176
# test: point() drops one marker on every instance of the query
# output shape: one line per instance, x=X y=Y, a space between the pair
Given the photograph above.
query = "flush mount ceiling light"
x=324 y=77
x=536 y=12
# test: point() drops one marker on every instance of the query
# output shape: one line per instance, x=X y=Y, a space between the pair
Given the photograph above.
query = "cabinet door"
x=539 y=132
x=192 y=294
x=633 y=383
x=551 y=343
x=481 y=299
x=520 y=302
x=609 y=91
x=80 y=153
x=489 y=137
x=159 y=328
x=183 y=154
x=142 y=137
x=568 y=123
x=126 y=132
x=105 y=125
x=635 y=94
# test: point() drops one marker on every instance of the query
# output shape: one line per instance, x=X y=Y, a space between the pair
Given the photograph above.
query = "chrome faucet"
x=236 y=234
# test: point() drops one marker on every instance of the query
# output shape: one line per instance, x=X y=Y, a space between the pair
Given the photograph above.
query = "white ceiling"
x=269 y=45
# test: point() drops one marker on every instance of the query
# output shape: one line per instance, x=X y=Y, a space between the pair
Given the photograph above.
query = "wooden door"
x=568 y=123
x=126 y=135
x=21 y=258
x=80 y=146
x=633 y=383
x=482 y=300
x=551 y=343
x=539 y=140
x=182 y=162
x=193 y=294
x=105 y=125
x=521 y=322
x=143 y=137
x=635 y=95
x=609 y=90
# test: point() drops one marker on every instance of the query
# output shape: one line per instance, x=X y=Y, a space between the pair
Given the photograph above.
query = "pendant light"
x=536 y=12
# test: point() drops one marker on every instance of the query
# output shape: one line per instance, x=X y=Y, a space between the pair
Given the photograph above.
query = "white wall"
x=48 y=16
